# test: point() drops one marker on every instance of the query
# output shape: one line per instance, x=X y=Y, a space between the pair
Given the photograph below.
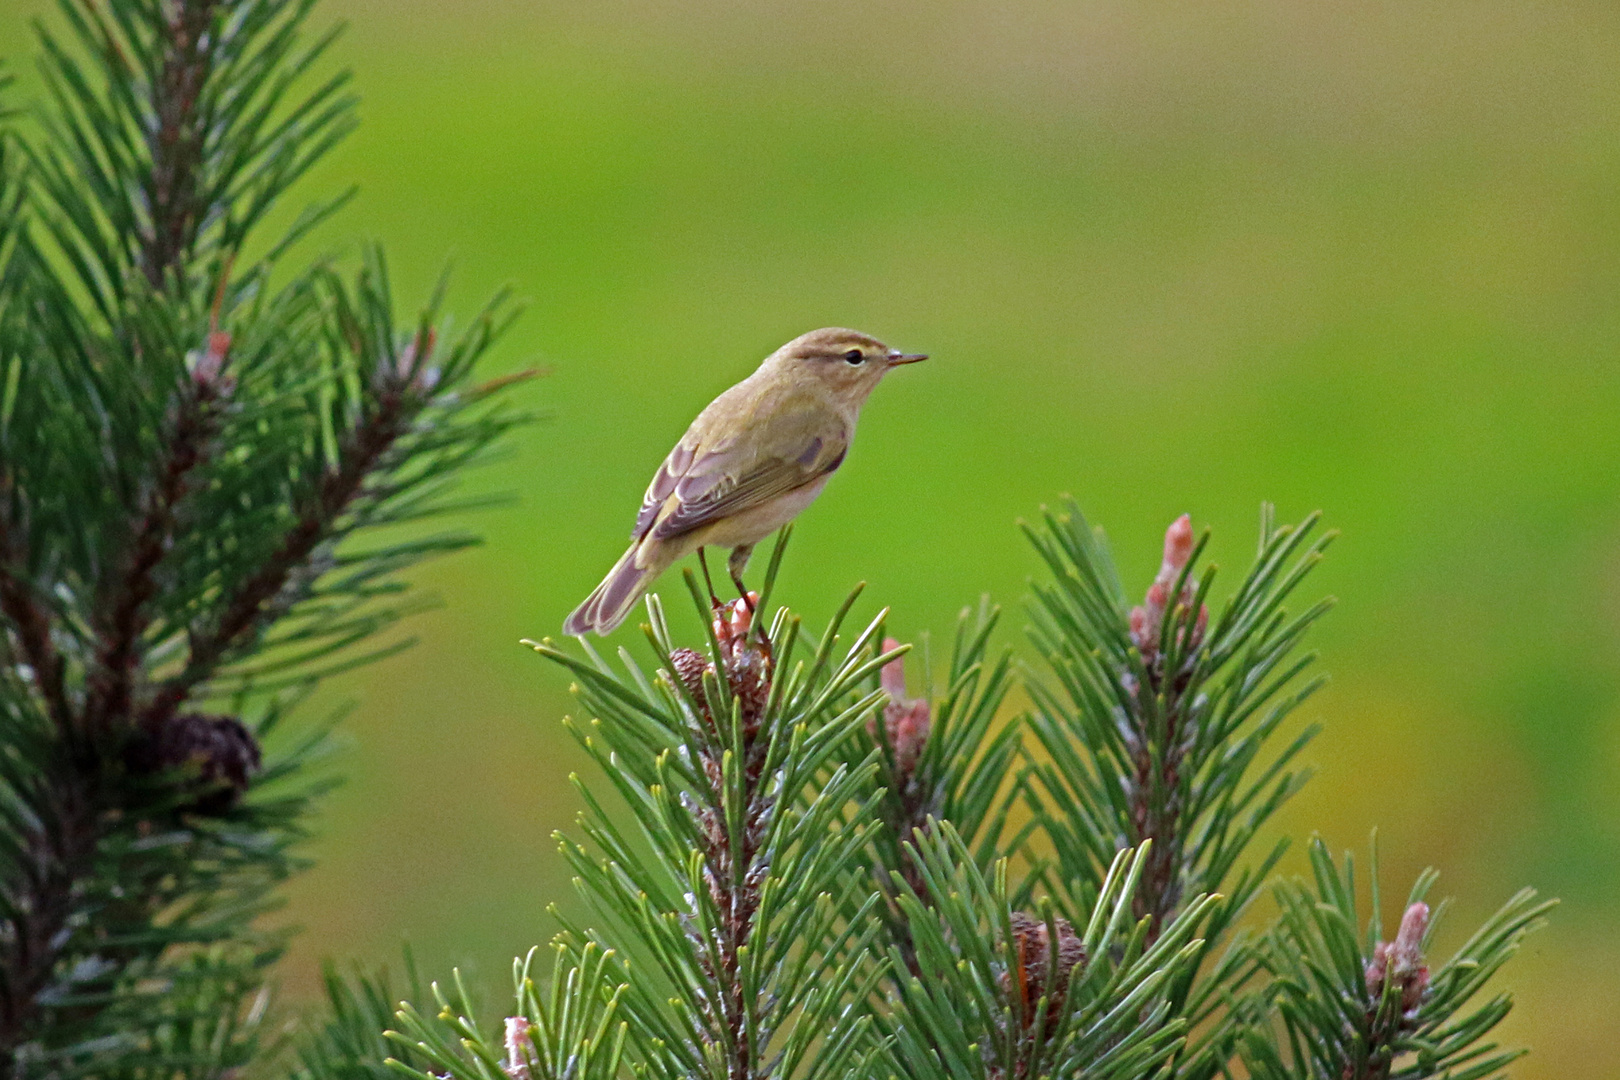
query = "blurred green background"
x=1360 y=257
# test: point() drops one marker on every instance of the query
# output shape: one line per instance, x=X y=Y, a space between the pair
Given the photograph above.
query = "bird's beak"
x=898 y=358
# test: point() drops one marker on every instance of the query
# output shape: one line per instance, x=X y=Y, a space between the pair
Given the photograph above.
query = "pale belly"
x=755 y=524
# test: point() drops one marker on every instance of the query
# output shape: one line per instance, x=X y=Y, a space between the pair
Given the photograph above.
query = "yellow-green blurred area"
x=1359 y=257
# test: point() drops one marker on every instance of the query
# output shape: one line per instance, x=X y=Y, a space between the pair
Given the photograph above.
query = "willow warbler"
x=758 y=455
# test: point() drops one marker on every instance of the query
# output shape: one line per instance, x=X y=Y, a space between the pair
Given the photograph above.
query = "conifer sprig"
x=1158 y=731
x=189 y=448
x=768 y=931
x=1000 y=993
x=351 y=1040
x=955 y=768
x=571 y=1030
x=1344 y=1004
x=1160 y=713
x=732 y=901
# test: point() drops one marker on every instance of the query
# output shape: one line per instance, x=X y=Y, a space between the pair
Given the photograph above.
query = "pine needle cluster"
x=201 y=445
x=810 y=873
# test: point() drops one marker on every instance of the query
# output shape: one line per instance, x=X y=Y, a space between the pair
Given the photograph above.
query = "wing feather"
x=663 y=485
x=696 y=486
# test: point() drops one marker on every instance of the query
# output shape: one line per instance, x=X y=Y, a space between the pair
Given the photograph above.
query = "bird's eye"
x=854 y=356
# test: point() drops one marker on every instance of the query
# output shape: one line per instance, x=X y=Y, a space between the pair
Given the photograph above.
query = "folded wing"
x=696 y=486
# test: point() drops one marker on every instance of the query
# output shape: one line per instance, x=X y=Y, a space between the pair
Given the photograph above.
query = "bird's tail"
x=611 y=601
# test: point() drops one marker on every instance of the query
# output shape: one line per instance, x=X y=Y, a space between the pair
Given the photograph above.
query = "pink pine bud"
x=893 y=677
x=1139 y=625
x=1409 y=941
x=1377 y=968
x=1401 y=961
x=517 y=1047
x=907 y=722
x=1178 y=545
x=731 y=621
x=742 y=614
x=205 y=372
x=1148 y=619
x=909 y=726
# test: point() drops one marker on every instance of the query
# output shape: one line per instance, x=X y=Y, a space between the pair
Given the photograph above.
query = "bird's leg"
x=708 y=582
x=737 y=564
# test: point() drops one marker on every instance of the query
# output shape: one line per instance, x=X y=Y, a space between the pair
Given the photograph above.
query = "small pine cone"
x=711 y=771
x=220 y=748
x=750 y=676
x=1071 y=952
x=689 y=667
x=1031 y=945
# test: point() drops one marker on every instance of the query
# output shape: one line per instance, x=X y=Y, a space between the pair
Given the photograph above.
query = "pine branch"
x=768 y=931
x=941 y=759
x=1370 y=1009
x=39 y=907
x=1157 y=730
x=112 y=677
x=245 y=611
x=1160 y=712
x=572 y=1031
x=175 y=144
x=731 y=902
x=1030 y=996
x=184 y=453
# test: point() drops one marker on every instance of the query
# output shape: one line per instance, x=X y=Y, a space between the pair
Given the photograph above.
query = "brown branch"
x=31 y=623
x=735 y=885
x=245 y=611
x=55 y=860
x=56 y=854
x=112 y=677
x=1154 y=789
x=1155 y=800
x=176 y=148
x=176 y=142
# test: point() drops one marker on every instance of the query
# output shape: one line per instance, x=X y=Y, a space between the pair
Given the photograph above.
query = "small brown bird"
x=758 y=455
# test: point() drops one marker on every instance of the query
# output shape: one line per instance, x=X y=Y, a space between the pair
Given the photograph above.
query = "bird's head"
x=847 y=362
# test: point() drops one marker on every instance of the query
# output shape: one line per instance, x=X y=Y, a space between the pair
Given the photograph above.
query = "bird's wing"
x=697 y=485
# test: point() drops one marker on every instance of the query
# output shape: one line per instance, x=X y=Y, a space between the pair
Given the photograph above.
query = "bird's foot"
x=715 y=603
x=737 y=630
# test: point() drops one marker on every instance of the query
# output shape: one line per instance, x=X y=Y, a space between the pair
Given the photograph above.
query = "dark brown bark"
x=246 y=611
x=176 y=143
x=1156 y=804
x=56 y=858
x=31 y=624
x=734 y=883
x=1158 y=893
x=112 y=678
